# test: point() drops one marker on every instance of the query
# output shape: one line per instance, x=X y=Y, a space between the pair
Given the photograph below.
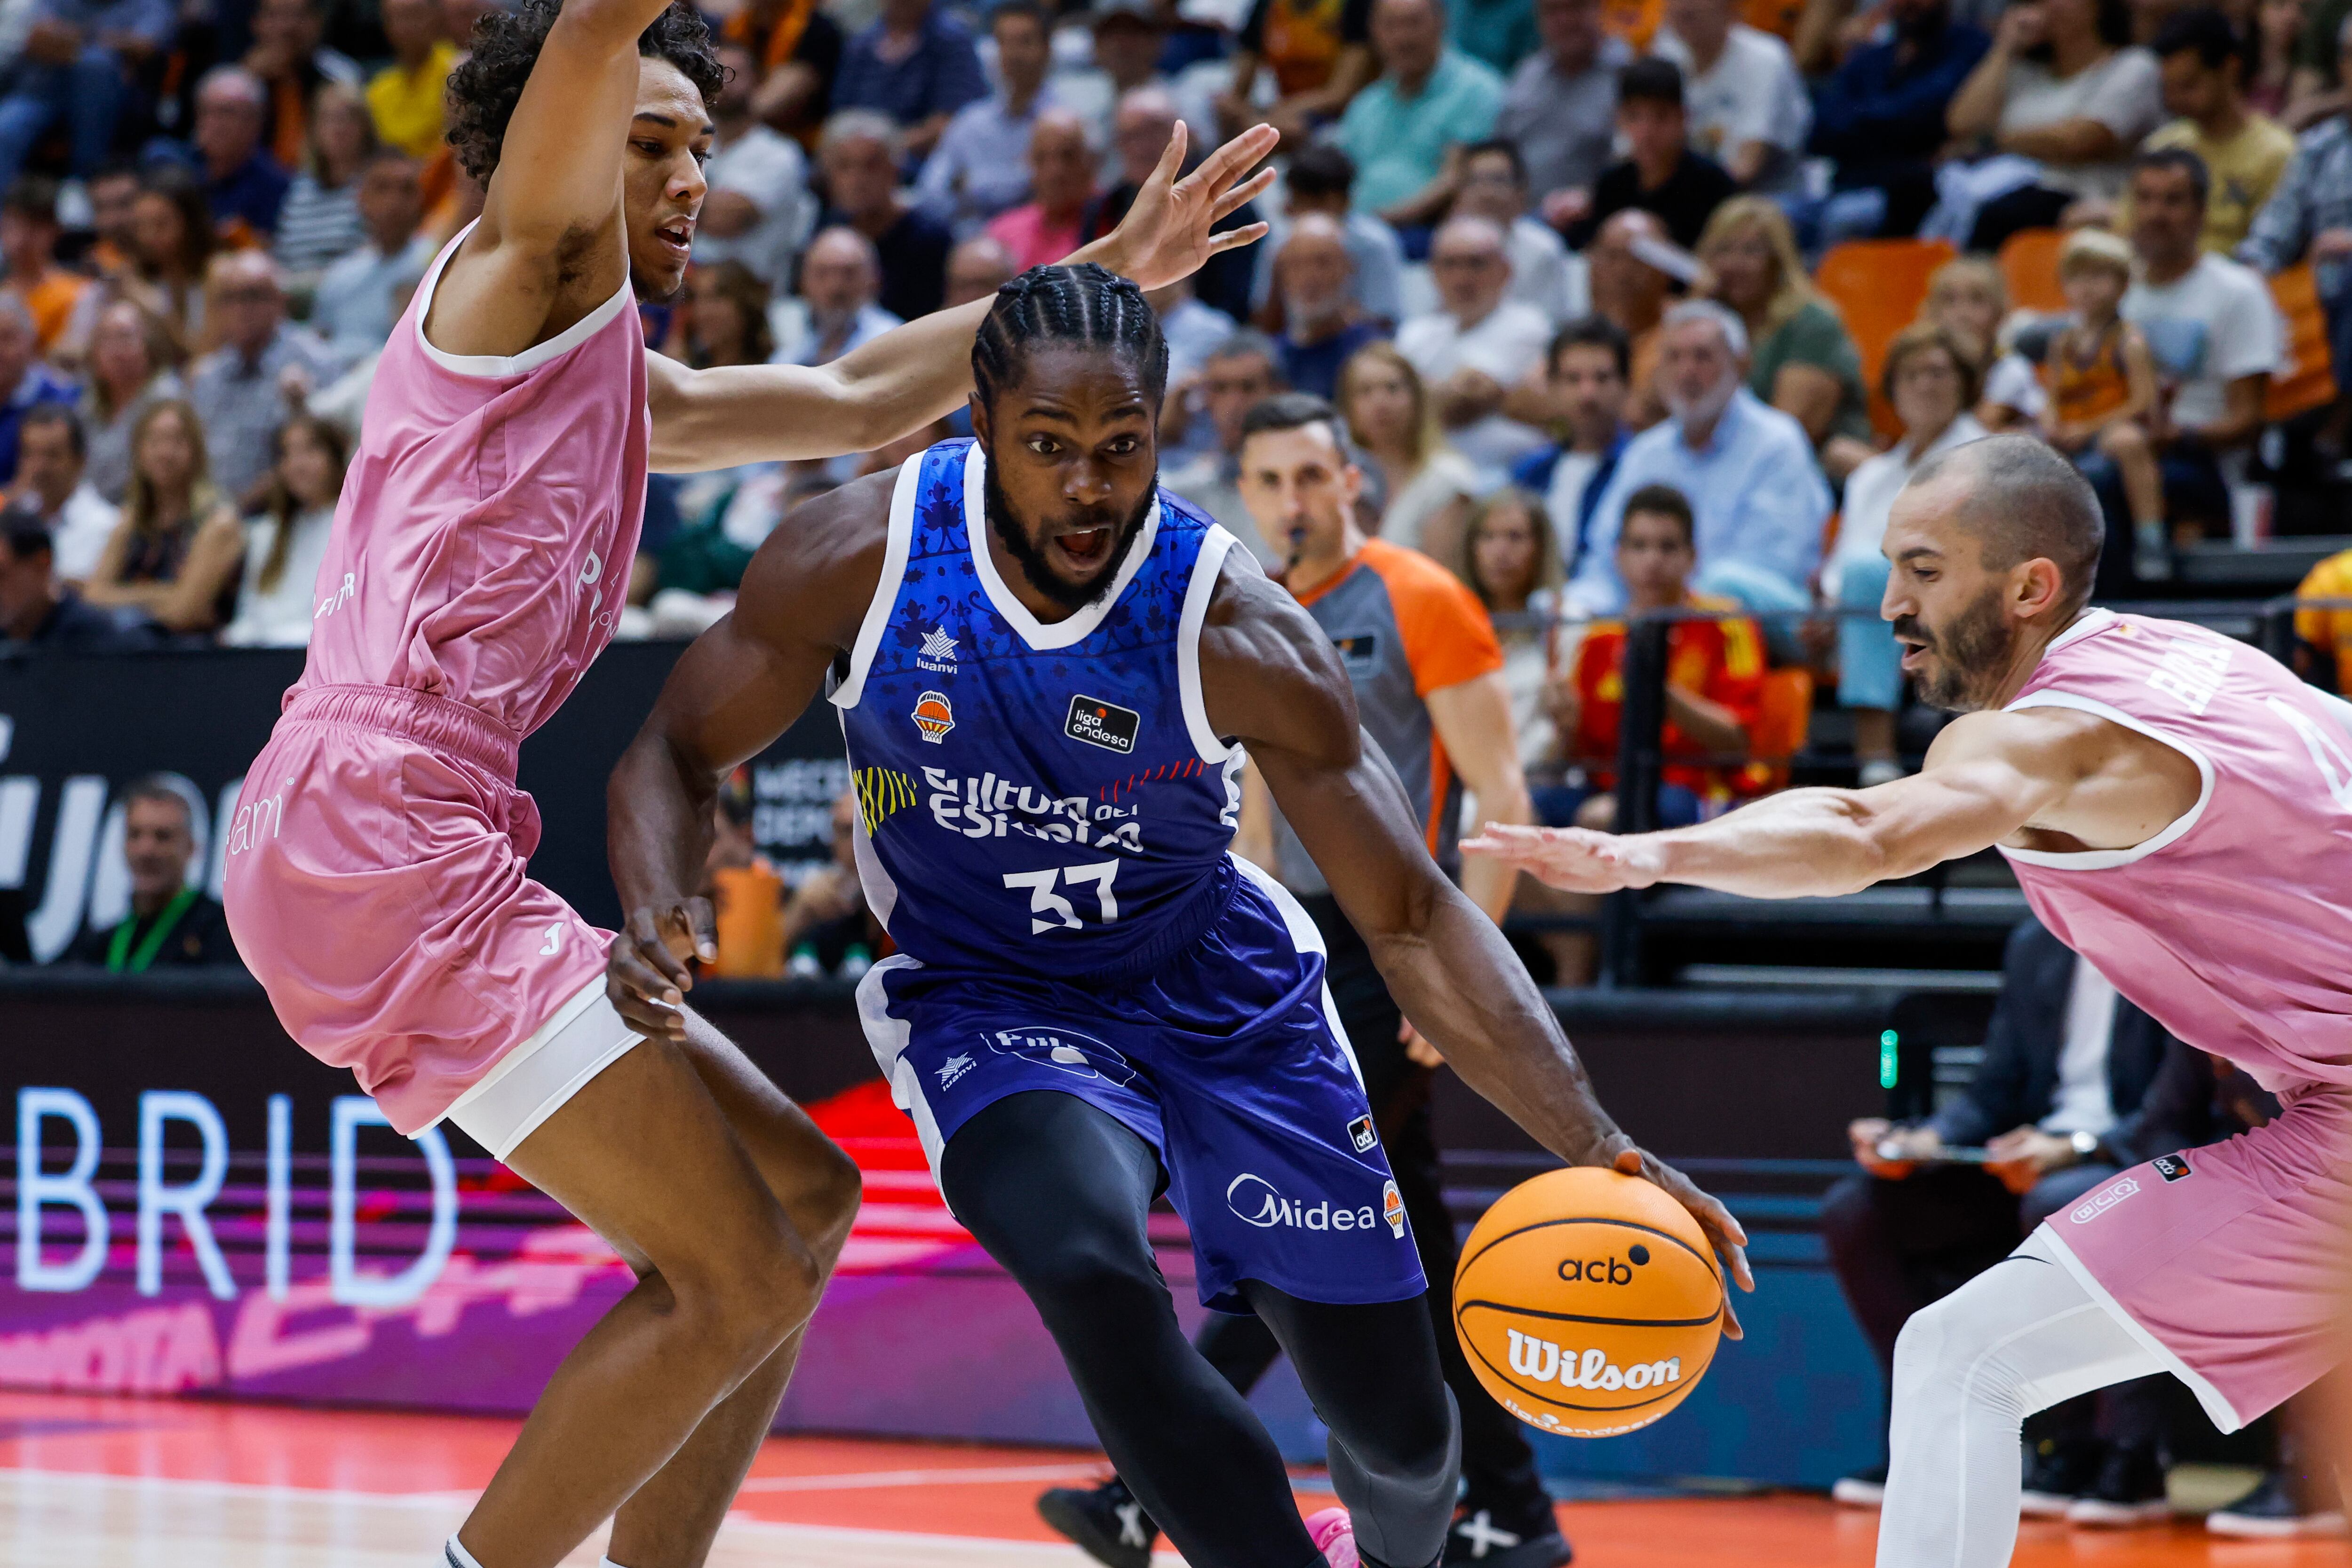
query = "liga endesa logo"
x=1255 y=1201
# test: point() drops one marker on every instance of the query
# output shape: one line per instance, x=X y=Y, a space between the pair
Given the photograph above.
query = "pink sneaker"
x=1333 y=1533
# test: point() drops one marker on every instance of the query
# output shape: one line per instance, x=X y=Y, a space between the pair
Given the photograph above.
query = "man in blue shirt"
x=1881 y=117
x=353 y=309
x=1428 y=100
x=914 y=63
x=243 y=183
x=1321 y=328
x=24 y=379
x=1758 y=498
x=1589 y=369
x=981 y=167
x=75 y=67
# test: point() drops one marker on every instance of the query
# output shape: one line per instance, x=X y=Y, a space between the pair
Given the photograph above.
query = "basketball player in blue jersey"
x=1046 y=670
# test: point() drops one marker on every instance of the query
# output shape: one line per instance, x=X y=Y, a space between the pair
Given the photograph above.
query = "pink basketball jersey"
x=2232 y=926
x=481 y=550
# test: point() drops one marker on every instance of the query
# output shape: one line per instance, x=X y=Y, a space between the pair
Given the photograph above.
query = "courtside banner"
x=74 y=730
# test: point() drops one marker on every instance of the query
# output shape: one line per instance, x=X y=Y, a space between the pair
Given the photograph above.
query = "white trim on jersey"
x=2103 y=860
x=495 y=366
x=2217 y=1408
x=1038 y=634
x=2089 y=622
x=1197 y=594
x=887 y=1037
x=900 y=543
x=1305 y=936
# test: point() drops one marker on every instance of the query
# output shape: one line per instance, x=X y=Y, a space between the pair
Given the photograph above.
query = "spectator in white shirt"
x=1478 y=345
x=759 y=208
x=1747 y=103
x=286 y=543
x=353 y=309
x=52 y=453
x=840 y=279
x=981 y=166
x=1425 y=486
x=2213 y=329
x=1544 y=272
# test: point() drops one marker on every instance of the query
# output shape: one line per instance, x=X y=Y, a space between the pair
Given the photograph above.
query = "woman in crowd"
x=321 y=218
x=1512 y=563
x=1427 y=486
x=174 y=555
x=132 y=356
x=725 y=322
x=285 y=544
x=2061 y=85
x=1967 y=298
x=1930 y=378
x=172 y=244
x=2271 y=42
x=1800 y=358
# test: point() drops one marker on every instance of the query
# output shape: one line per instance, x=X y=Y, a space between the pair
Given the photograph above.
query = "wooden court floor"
x=126 y=1483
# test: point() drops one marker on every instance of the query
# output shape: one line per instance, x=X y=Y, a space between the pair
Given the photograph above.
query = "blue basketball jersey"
x=1046 y=798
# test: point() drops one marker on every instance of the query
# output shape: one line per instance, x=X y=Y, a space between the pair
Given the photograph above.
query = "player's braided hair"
x=1082 y=304
x=488 y=83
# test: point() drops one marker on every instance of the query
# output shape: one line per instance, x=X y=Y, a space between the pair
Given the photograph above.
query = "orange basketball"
x=1589 y=1302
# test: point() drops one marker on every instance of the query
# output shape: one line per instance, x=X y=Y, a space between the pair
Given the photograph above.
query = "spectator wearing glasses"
x=1544 y=272
x=25 y=381
x=1428 y=100
x=1660 y=173
x=170 y=922
x=79 y=59
x=37 y=612
x=52 y=486
x=353 y=307
x=1559 y=106
x=174 y=555
x=285 y=542
x=1930 y=378
x=914 y=63
x=130 y=369
x=1478 y=345
x=262 y=370
x=320 y=221
x=243 y=185
x=1747 y=470
x=981 y=166
x=28 y=243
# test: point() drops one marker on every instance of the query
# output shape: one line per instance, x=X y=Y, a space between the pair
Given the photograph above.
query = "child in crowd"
x=1967 y=298
x=2102 y=385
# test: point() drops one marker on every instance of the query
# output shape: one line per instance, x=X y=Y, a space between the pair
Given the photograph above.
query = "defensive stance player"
x=2178 y=807
x=377 y=885
x=1046 y=668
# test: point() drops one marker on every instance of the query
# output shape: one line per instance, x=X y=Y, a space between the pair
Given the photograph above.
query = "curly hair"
x=488 y=83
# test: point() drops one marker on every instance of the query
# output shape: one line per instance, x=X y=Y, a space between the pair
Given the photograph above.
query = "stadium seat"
x=2310 y=384
x=2029 y=265
x=1878 y=286
x=1784 y=716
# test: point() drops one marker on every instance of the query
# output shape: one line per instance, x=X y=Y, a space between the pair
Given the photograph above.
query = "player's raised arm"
x=739 y=687
x=1271 y=680
x=1987 y=776
x=913 y=374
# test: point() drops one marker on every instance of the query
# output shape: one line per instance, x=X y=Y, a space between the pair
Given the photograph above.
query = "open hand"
x=646 y=974
x=1729 y=1238
x=1575 y=859
x=1165 y=235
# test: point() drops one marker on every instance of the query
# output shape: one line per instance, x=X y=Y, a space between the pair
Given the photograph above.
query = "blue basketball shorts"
x=1228 y=1060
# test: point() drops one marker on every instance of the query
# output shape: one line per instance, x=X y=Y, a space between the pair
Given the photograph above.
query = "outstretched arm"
x=732 y=694
x=1271 y=679
x=918 y=372
x=1987 y=776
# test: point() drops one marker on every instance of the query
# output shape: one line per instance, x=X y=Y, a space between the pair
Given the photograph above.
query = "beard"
x=1975 y=646
x=1705 y=408
x=1031 y=558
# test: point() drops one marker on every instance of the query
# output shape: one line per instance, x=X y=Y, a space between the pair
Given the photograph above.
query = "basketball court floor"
x=132 y=1483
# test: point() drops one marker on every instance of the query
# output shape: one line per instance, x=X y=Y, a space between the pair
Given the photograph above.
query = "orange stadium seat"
x=2311 y=384
x=1878 y=286
x=1784 y=717
x=2029 y=265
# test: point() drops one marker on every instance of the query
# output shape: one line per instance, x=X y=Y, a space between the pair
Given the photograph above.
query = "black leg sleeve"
x=1057 y=1191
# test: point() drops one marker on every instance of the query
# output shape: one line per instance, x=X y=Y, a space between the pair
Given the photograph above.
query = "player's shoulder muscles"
x=813 y=579
x=1269 y=675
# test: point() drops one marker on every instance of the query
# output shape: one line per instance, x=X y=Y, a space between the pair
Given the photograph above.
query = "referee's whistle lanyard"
x=121 y=958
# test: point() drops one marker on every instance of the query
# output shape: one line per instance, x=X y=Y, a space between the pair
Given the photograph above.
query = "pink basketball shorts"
x=2228 y=1262
x=376 y=884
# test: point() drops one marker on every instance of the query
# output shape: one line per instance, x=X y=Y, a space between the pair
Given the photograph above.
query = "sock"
x=455 y=1555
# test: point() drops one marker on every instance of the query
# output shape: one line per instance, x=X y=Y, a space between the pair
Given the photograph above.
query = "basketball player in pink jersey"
x=481 y=550
x=2178 y=807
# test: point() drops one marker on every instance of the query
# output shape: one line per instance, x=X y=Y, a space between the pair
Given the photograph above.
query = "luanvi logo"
x=1107 y=725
